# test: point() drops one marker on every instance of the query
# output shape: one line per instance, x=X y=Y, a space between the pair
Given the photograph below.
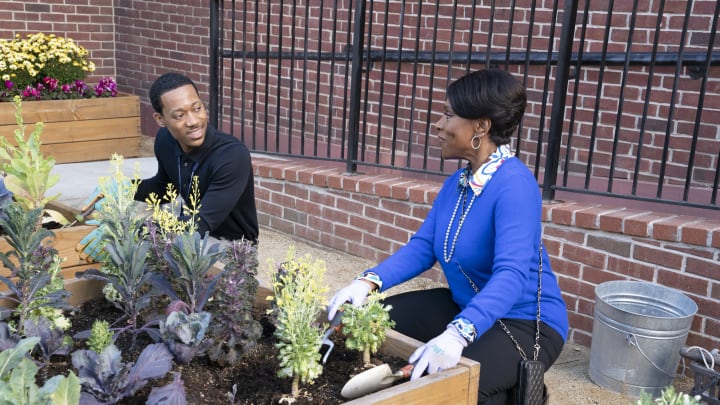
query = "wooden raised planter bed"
x=80 y=130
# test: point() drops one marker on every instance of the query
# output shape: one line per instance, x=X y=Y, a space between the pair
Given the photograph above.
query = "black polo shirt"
x=224 y=170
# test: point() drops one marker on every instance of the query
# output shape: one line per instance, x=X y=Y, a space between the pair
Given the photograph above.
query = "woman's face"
x=455 y=134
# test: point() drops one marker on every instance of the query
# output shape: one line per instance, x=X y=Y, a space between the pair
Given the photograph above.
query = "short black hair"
x=165 y=83
x=493 y=94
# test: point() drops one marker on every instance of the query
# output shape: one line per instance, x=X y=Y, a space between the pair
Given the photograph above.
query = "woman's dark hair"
x=165 y=83
x=493 y=94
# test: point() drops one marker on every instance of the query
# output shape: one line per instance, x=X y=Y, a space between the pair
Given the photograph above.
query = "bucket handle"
x=633 y=341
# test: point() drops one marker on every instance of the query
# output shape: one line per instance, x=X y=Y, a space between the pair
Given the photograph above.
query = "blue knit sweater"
x=497 y=248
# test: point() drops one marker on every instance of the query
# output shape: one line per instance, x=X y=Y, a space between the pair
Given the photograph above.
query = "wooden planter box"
x=80 y=130
x=458 y=385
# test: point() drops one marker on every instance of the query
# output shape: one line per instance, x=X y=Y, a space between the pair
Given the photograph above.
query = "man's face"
x=185 y=116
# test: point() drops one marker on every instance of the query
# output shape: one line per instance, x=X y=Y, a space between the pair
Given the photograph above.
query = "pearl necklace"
x=463 y=194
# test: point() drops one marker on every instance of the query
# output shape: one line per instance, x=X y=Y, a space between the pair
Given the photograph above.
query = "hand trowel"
x=372 y=380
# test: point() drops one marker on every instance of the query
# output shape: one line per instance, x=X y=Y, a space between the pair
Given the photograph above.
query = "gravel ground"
x=567 y=380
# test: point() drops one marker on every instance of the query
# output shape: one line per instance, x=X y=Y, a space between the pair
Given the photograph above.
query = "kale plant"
x=17 y=380
x=233 y=328
x=184 y=334
x=298 y=301
x=366 y=325
x=106 y=379
x=171 y=394
x=190 y=261
x=133 y=283
x=33 y=280
x=52 y=340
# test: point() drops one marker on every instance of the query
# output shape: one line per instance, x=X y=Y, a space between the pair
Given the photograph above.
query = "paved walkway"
x=567 y=380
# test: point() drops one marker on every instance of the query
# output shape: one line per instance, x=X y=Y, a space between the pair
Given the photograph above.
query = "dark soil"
x=254 y=381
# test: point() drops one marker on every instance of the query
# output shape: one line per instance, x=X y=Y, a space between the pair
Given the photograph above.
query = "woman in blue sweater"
x=484 y=229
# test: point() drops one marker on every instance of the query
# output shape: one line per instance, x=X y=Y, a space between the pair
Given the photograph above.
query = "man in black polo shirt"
x=186 y=146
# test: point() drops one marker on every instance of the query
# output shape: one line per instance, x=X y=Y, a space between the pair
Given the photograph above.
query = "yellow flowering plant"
x=46 y=66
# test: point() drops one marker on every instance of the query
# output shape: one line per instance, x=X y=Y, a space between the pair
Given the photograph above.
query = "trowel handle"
x=404 y=372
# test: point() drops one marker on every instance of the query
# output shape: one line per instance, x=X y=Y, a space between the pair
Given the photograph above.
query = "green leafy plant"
x=366 y=325
x=668 y=397
x=100 y=336
x=106 y=379
x=298 y=300
x=191 y=259
x=17 y=380
x=34 y=281
x=233 y=328
x=28 y=171
x=184 y=334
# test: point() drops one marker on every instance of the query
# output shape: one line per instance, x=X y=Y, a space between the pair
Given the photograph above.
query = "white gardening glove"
x=355 y=293
x=442 y=352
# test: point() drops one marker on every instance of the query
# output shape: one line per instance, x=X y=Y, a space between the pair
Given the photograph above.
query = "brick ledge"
x=692 y=230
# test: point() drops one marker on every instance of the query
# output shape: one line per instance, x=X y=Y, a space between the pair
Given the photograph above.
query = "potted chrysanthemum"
x=83 y=122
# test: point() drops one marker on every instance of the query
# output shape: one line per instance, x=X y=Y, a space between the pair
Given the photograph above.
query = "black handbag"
x=531 y=388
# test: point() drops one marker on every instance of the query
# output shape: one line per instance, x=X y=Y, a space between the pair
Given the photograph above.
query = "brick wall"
x=371 y=216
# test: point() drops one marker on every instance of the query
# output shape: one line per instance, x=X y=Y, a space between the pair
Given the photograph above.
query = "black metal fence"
x=623 y=97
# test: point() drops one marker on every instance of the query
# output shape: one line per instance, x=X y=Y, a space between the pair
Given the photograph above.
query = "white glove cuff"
x=452 y=332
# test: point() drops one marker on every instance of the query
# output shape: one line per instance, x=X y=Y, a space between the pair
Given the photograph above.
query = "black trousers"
x=425 y=314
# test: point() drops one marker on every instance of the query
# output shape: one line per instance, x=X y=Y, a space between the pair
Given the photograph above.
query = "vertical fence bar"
x=355 y=83
x=558 y=108
x=214 y=89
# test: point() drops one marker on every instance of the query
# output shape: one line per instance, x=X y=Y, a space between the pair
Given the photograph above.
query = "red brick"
x=669 y=228
x=586 y=307
x=380 y=215
x=657 y=256
x=564 y=233
x=347 y=233
x=615 y=221
x=631 y=269
x=599 y=276
x=614 y=245
x=584 y=255
x=682 y=282
x=589 y=218
x=712 y=327
x=706 y=268
x=581 y=322
x=640 y=225
x=408 y=224
x=337 y=181
x=565 y=267
x=394 y=233
x=707 y=307
x=563 y=213
x=715 y=292
x=698 y=233
x=400 y=191
x=700 y=253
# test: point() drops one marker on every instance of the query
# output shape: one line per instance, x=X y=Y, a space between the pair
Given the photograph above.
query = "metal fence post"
x=214 y=68
x=355 y=87
x=557 y=113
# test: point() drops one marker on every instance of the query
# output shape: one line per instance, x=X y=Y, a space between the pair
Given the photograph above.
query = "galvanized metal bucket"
x=638 y=331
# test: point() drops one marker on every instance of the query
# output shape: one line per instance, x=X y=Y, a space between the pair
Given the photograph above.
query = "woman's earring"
x=472 y=142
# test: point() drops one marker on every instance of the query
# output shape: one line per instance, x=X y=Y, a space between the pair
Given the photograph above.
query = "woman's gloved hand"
x=440 y=353
x=355 y=293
